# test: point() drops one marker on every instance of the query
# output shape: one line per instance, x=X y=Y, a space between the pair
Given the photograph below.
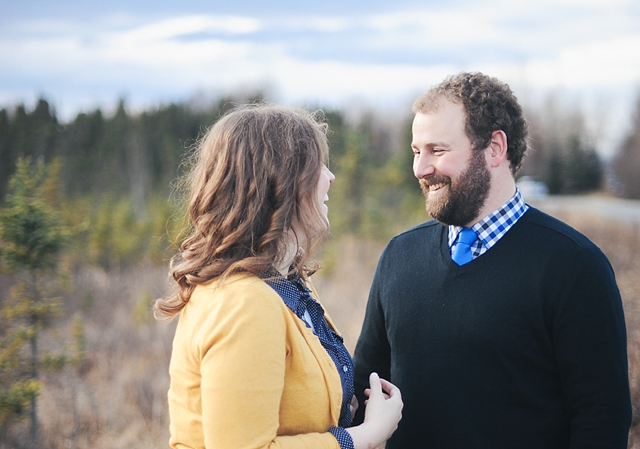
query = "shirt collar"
x=291 y=289
x=495 y=225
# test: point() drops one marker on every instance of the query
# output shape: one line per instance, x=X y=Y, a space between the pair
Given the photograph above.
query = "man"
x=512 y=338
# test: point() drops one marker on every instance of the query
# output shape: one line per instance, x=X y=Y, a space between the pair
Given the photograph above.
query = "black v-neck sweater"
x=524 y=347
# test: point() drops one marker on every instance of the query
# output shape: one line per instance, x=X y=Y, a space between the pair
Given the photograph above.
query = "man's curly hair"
x=490 y=105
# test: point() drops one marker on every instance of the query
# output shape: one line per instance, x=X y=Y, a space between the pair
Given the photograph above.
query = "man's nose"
x=422 y=166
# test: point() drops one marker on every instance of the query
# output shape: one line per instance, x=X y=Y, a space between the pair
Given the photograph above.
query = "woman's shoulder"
x=237 y=302
x=244 y=288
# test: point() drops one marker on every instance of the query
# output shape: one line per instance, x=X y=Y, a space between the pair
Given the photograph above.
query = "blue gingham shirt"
x=493 y=227
x=298 y=298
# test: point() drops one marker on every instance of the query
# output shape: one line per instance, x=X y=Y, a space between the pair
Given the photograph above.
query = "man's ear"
x=497 y=153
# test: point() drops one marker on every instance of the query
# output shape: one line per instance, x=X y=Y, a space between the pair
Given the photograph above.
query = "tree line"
x=139 y=154
x=116 y=170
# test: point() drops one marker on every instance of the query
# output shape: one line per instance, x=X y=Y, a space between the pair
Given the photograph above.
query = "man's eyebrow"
x=434 y=144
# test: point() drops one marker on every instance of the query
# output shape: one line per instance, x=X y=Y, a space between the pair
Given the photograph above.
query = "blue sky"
x=84 y=54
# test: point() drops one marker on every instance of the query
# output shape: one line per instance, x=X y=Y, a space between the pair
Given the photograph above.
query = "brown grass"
x=117 y=397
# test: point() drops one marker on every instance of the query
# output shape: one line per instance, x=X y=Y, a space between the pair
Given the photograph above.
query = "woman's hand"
x=381 y=416
x=353 y=406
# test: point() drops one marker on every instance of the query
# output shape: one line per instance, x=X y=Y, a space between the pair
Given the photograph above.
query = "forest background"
x=82 y=361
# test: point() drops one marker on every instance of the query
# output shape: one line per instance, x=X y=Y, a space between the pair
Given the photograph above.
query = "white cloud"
x=547 y=44
x=167 y=29
x=596 y=64
x=302 y=23
x=335 y=80
x=441 y=30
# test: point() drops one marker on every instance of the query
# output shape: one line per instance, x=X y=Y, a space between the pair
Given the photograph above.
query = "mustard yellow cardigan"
x=247 y=373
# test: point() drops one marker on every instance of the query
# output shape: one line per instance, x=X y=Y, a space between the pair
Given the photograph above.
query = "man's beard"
x=466 y=196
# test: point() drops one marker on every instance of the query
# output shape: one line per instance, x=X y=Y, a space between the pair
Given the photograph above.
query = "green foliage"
x=113 y=233
x=143 y=309
x=31 y=235
x=108 y=234
x=26 y=135
x=31 y=239
x=348 y=189
x=79 y=337
x=375 y=194
x=116 y=172
x=553 y=178
x=573 y=168
x=583 y=168
x=121 y=154
x=563 y=153
x=16 y=398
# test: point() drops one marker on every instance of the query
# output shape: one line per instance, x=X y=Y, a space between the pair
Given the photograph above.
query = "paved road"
x=625 y=211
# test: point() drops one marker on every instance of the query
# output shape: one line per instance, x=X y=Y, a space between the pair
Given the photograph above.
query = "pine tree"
x=31 y=239
x=583 y=169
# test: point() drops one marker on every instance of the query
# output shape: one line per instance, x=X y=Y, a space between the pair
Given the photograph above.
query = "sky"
x=80 y=55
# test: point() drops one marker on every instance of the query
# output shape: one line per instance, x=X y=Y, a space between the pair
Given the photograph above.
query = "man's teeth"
x=433 y=187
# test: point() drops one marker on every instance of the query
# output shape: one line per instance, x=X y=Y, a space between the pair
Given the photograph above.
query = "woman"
x=256 y=362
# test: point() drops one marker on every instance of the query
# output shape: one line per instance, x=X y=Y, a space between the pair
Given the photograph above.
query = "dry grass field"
x=117 y=398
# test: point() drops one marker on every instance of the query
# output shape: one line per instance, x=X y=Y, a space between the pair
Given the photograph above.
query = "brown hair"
x=490 y=105
x=253 y=175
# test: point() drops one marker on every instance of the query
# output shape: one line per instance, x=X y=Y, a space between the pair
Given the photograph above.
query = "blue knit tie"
x=462 y=247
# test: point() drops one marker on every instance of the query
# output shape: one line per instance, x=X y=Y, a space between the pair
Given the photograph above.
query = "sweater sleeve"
x=373 y=352
x=589 y=339
x=243 y=347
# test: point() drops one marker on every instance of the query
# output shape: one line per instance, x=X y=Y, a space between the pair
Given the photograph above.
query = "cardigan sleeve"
x=589 y=340
x=242 y=346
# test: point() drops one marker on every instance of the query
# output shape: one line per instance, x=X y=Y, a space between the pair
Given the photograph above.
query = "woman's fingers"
x=375 y=386
x=385 y=385
x=389 y=388
x=353 y=406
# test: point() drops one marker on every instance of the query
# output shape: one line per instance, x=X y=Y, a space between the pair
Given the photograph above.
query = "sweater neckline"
x=448 y=262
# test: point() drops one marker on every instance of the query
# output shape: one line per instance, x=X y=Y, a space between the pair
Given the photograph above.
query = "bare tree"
x=625 y=167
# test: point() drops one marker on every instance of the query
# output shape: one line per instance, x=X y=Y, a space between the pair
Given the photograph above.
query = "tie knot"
x=462 y=248
x=467 y=236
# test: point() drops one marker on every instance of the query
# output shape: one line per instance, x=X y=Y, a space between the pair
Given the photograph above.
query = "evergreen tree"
x=349 y=188
x=554 y=173
x=26 y=134
x=78 y=148
x=31 y=239
x=7 y=158
x=583 y=169
x=336 y=134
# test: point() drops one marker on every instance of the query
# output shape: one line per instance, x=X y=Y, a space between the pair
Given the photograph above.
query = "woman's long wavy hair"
x=252 y=176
